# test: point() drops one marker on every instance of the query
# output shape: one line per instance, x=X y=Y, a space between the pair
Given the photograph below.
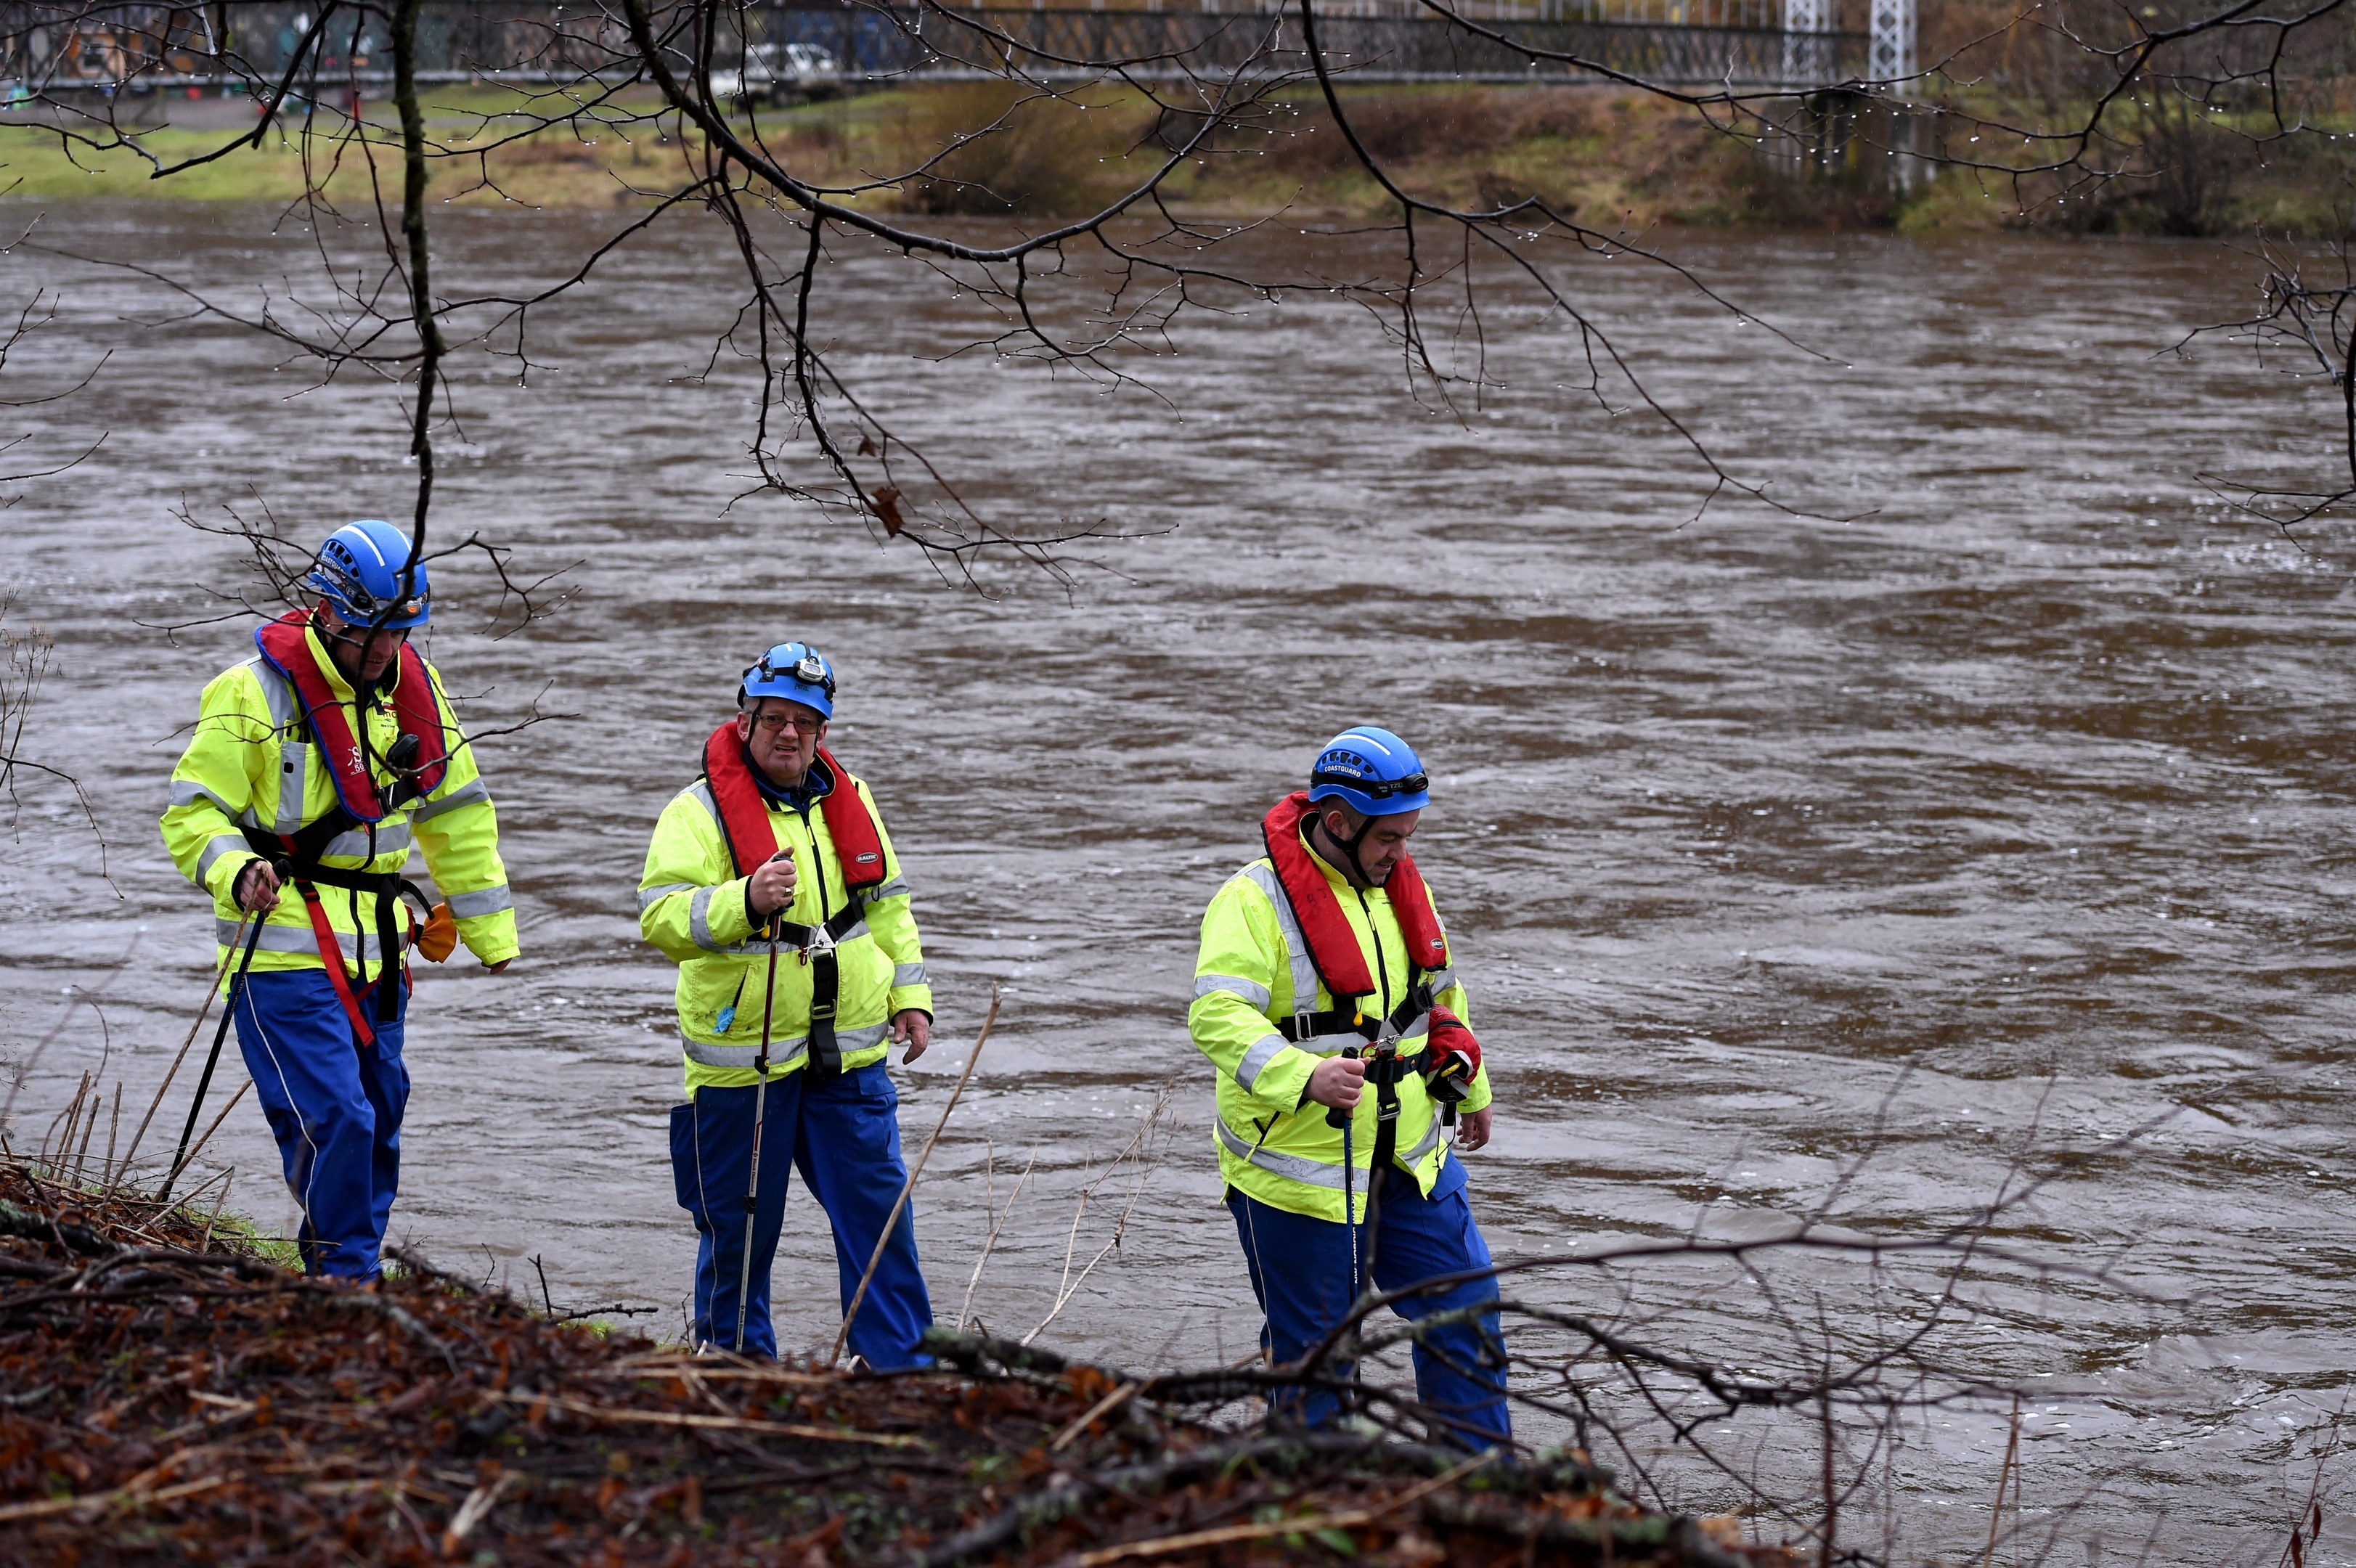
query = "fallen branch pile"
x=169 y=1396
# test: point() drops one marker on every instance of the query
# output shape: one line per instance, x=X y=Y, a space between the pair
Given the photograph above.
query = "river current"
x=1987 y=810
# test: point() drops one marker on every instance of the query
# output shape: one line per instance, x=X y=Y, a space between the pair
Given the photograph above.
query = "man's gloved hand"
x=1453 y=1058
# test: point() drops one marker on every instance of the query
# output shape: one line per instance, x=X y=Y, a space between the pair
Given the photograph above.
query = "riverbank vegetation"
x=175 y=1395
x=1616 y=159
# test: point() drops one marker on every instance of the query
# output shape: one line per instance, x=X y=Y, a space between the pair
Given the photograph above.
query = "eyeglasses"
x=772 y=723
x=355 y=634
x=1380 y=789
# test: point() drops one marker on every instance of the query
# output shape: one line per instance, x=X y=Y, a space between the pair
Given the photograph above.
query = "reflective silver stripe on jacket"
x=701 y=792
x=1441 y=980
x=285 y=702
x=299 y=939
x=484 y=900
x=187 y=791
x=1265 y=1049
x=1296 y=948
x=294 y=749
x=780 y=1050
x=354 y=845
x=698 y=921
x=649 y=897
x=473 y=791
x=897 y=888
x=1316 y=1173
x=1251 y=991
x=908 y=974
x=225 y=844
x=294 y=784
x=1425 y=1145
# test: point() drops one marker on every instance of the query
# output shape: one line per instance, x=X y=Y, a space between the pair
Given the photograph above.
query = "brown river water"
x=1876 y=863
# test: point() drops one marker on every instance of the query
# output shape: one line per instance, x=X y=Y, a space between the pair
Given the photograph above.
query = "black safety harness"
x=815 y=945
x=296 y=857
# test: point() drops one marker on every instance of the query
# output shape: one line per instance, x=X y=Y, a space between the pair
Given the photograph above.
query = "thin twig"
x=851 y=1313
x=200 y=1142
x=997 y=1222
x=244 y=918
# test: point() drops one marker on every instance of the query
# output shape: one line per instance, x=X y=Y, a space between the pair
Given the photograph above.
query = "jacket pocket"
x=713 y=996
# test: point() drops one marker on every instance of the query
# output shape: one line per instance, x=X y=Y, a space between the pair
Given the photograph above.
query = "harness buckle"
x=820 y=943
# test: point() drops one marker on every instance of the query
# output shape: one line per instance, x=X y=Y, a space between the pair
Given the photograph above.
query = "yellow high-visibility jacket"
x=1273 y=1144
x=692 y=906
x=252 y=761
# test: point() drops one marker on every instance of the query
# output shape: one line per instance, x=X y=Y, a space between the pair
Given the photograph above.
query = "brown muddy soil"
x=175 y=1397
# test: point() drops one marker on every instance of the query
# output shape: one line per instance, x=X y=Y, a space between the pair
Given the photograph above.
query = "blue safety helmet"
x=1372 y=770
x=359 y=572
x=795 y=671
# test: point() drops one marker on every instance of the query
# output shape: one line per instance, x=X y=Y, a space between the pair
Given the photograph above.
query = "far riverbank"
x=1609 y=158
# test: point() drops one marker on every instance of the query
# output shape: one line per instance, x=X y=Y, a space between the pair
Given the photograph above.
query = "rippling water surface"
x=1992 y=825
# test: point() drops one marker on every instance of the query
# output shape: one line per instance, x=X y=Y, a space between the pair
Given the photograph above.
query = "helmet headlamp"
x=1381 y=789
x=810 y=670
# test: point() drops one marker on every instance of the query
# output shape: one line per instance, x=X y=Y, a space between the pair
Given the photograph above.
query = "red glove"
x=1453 y=1058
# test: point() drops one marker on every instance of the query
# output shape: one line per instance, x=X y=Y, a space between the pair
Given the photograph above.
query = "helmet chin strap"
x=1358 y=867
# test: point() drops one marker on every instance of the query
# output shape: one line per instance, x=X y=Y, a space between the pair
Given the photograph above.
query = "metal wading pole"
x=212 y=1059
x=1346 y=1121
x=760 y=1115
x=1385 y=1057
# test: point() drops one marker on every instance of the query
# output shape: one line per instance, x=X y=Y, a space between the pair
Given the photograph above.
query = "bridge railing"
x=894 y=41
x=52 y=44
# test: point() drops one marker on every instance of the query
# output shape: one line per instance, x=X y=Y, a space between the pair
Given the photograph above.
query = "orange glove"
x=438 y=938
x=1453 y=1058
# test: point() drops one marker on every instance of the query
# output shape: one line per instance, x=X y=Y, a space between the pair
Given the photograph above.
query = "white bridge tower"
x=1890 y=52
x=1808 y=42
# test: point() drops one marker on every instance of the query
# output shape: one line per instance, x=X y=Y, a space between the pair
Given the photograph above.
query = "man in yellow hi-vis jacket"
x=314 y=767
x=1324 y=974
x=775 y=863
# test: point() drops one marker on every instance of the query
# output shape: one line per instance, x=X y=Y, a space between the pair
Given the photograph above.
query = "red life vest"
x=1333 y=946
x=744 y=813
x=286 y=648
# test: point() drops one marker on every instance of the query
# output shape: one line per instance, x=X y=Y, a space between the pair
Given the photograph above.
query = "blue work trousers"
x=334 y=1107
x=1301 y=1272
x=844 y=1137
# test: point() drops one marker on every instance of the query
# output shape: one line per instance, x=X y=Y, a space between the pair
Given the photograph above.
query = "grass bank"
x=1615 y=159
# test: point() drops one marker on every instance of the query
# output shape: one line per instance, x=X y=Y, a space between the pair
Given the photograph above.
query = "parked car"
x=781 y=73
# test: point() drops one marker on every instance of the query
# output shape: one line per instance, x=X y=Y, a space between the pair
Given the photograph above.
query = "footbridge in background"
x=1739 y=43
x=244 y=45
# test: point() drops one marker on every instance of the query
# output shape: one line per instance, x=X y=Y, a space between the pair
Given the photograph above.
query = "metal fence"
x=243 y=45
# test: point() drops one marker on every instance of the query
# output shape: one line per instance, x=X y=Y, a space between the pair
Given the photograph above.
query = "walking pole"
x=1346 y=1121
x=760 y=1115
x=212 y=1060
